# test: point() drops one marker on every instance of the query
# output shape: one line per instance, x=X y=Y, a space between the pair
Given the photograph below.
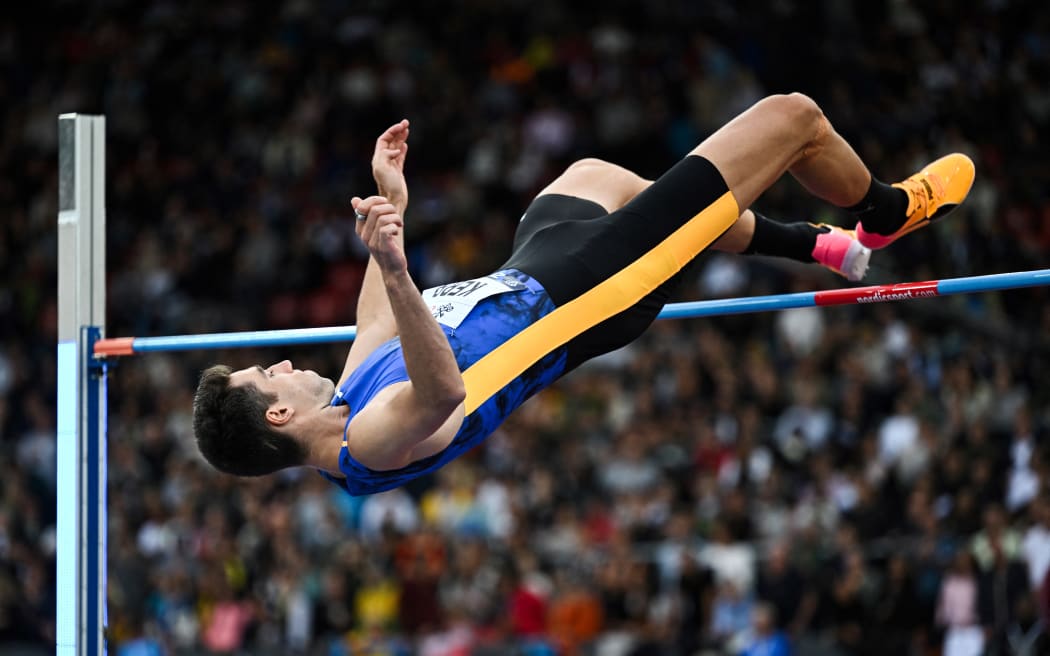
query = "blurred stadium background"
x=860 y=480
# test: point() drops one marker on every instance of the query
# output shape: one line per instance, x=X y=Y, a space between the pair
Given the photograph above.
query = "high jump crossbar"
x=122 y=346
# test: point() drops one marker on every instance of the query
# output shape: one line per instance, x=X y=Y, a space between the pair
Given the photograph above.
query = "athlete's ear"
x=279 y=415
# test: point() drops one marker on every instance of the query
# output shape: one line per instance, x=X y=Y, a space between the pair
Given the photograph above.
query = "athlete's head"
x=249 y=422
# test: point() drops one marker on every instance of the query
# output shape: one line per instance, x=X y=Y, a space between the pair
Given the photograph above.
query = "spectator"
x=957 y=609
x=899 y=433
x=849 y=596
x=784 y=591
x=226 y=623
x=732 y=562
x=806 y=424
x=1035 y=546
x=1026 y=634
x=1002 y=588
x=731 y=611
x=629 y=470
x=575 y=616
x=392 y=510
x=996 y=536
x=527 y=606
x=896 y=613
x=766 y=639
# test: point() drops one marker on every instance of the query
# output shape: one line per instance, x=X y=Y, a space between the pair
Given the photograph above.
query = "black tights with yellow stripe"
x=617 y=270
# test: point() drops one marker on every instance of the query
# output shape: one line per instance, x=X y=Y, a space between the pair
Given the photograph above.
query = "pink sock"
x=872 y=240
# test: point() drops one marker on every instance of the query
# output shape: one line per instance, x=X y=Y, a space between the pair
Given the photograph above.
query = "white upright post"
x=80 y=614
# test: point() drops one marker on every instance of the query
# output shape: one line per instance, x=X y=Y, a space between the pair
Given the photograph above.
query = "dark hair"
x=231 y=428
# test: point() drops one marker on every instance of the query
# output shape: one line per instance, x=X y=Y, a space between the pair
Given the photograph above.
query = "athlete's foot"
x=932 y=193
x=839 y=250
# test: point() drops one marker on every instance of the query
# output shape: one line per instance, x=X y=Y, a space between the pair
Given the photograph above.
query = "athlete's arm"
x=386 y=431
x=375 y=320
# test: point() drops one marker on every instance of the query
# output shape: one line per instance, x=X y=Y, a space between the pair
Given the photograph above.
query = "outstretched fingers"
x=393 y=136
x=388 y=160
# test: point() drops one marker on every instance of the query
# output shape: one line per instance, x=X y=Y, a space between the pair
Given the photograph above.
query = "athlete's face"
x=296 y=390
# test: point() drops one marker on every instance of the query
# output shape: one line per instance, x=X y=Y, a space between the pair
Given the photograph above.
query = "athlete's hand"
x=388 y=163
x=381 y=230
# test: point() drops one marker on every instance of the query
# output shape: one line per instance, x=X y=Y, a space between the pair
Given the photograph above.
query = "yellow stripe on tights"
x=610 y=297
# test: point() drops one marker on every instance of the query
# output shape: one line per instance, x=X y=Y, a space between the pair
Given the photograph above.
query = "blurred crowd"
x=859 y=480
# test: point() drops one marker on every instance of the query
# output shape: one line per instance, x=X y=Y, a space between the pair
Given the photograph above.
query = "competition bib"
x=450 y=304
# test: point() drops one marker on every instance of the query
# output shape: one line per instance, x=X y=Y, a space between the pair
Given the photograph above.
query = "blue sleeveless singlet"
x=489 y=324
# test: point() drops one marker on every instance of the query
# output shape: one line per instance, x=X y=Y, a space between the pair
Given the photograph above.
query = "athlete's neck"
x=323 y=438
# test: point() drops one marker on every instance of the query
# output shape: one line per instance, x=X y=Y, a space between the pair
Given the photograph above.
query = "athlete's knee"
x=800 y=118
x=798 y=110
